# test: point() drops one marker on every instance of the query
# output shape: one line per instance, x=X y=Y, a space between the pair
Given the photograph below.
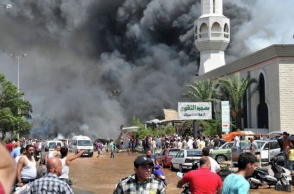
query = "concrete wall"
x=286 y=80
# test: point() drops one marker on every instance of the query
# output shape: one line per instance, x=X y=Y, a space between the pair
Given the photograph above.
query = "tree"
x=14 y=110
x=202 y=91
x=234 y=91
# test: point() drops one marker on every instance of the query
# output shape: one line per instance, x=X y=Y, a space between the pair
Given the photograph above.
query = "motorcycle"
x=261 y=176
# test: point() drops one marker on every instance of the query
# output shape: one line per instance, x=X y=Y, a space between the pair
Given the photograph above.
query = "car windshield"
x=173 y=152
x=84 y=143
x=260 y=144
x=52 y=145
x=194 y=153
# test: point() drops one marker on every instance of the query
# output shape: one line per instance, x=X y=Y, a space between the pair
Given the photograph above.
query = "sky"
x=79 y=51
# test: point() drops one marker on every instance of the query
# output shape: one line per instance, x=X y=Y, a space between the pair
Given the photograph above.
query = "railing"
x=216 y=34
x=203 y=35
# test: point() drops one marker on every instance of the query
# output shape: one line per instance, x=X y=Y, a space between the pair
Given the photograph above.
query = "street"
x=100 y=175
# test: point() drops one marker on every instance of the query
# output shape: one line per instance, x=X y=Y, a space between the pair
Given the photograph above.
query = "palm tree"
x=234 y=91
x=202 y=91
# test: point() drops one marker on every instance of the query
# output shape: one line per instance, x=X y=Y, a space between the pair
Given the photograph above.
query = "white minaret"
x=212 y=35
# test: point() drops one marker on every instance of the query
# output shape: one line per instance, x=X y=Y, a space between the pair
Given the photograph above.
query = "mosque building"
x=272 y=107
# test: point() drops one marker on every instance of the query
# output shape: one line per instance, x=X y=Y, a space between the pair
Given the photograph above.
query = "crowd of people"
x=50 y=176
x=53 y=170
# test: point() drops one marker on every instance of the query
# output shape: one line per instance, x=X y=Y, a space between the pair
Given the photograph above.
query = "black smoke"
x=79 y=52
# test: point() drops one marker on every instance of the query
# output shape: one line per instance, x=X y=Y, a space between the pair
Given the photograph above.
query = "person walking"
x=50 y=183
x=98 y=147
x=112 y=148
x=142 y=181
x=202 y=180
x=236 y=183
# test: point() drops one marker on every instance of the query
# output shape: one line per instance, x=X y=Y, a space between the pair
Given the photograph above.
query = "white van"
x=79 y=143
x=51 y=144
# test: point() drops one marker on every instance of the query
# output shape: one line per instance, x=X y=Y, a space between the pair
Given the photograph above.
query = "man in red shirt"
x=9 y=145
x=202 y=180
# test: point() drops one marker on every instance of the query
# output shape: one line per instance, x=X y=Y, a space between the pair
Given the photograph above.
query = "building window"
x=213 y=6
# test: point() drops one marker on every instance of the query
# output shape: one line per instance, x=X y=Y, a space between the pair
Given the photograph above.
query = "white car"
x=185 y=158
x=271 y=147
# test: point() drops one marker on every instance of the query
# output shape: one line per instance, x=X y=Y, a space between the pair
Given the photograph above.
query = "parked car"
x=185 y=158
x=224 y=152
x=271 y=146
x=165 y=156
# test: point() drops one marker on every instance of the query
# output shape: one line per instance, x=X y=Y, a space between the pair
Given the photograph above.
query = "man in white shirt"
x=237 y=142
x=214 y=166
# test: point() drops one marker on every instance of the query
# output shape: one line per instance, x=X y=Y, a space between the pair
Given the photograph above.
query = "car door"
x=162 y=155
x=274 y=149
x=177 y=159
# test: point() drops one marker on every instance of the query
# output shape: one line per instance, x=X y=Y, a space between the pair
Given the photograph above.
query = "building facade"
x=272 y=107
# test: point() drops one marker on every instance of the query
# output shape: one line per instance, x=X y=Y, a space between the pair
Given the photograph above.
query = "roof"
x=170 y=114
x=271 y=52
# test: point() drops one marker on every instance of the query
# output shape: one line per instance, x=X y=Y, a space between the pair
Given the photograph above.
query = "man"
x=253 y=145
x=7 y=170
x=26 y=167
x=16 y=151
x=237 y=142
x=112 y=148
x=9 y=145
x=202 y=143
x=55 y=153
x=22 y=154
x=216 y=143
x=50 y=183
x=286 y=143
x=65 y=161
x=98 y=147
x=149 y=154
x=142 y=181
x=214 y=166
x=202 y=180
x=44 y=157
x=236 y=183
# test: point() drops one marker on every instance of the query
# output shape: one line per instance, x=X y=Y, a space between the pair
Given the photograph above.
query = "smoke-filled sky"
x=79 y=51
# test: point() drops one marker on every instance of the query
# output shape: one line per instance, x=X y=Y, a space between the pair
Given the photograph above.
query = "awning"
x=170 y=115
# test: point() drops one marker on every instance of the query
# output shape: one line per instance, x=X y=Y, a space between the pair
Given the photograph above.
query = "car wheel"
x=221 y=158
x=181 y=168
x=163 y=164
x=171 y=167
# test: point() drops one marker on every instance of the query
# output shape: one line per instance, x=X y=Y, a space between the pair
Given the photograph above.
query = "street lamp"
x=6 y=6
x=18 y=56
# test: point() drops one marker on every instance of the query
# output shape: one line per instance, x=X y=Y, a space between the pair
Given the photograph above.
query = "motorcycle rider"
x=202 y=180
x=236 y=183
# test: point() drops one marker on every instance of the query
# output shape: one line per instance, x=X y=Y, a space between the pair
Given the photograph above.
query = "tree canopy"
x=14 y=110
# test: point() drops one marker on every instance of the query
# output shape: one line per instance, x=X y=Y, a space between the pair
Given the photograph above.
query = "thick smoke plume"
x=79 y=52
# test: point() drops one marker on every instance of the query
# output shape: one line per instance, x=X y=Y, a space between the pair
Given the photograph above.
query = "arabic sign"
x=194 y=110
x=225 y=116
